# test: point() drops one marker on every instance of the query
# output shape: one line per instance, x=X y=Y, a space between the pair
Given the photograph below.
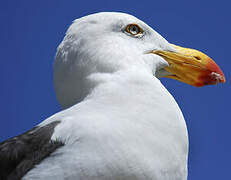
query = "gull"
x=118 y=121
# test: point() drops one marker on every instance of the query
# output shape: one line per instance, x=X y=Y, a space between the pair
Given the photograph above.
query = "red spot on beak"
x=211 y=75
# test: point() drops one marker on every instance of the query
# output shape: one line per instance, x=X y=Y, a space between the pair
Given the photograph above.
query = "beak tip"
x=217 y=76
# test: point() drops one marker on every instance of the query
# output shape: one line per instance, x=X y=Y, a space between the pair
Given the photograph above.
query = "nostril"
x=197 y=57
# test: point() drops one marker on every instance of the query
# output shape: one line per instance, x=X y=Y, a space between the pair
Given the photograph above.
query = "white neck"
x=138 y=92
x=129 y=84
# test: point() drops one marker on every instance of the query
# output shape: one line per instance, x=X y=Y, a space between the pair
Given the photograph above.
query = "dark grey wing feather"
x=21 y=153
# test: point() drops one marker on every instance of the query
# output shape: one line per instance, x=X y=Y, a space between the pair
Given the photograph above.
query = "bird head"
x=110 y=42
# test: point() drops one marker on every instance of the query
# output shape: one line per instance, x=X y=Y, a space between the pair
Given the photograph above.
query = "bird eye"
x=134 y=29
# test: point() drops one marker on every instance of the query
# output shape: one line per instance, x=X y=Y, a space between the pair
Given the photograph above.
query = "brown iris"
x=134 y=29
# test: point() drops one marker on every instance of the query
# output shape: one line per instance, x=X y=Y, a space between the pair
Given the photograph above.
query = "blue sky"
x=30 y=32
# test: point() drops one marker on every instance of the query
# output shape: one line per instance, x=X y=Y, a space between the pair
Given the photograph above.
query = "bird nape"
x=118 y=121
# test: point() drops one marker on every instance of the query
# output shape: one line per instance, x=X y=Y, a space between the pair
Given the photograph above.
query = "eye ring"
x=134 y=29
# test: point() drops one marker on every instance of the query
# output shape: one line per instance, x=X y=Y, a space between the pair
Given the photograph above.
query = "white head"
x=105 y=43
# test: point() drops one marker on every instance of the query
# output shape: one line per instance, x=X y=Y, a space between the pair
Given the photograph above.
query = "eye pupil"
x=134 y=30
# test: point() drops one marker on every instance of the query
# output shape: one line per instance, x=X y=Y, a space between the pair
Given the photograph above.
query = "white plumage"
x=119 y=121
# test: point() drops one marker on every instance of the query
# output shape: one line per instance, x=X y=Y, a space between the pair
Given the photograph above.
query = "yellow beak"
x=191 y=66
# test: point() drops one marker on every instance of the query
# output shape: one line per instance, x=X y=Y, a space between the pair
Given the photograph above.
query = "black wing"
x=21 y=153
